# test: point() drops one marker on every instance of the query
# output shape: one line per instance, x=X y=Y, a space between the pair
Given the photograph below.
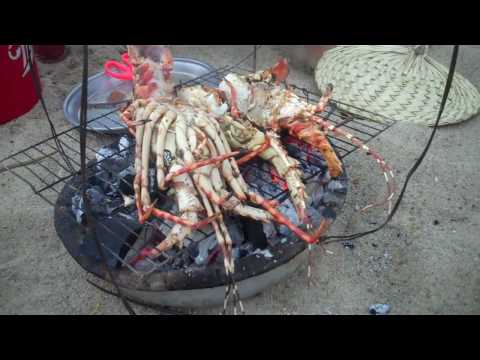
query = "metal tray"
x=100 y=87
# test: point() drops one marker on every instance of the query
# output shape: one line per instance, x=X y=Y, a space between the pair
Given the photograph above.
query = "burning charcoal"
x=379 y=309
x=77 y=208
x=337 y=186
x=203 y=249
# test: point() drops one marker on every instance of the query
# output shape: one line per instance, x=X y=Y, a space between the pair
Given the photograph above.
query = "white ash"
x=337 y=186
x=123 y=146
x=266 y=253
x=104 y=153
x=270 y=231
x=77 y=208
x=288 y=210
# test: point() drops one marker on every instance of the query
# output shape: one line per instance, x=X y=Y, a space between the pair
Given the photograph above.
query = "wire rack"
x=44 y=170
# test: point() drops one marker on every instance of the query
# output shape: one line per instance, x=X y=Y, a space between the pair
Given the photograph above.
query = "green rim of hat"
x=400 y=83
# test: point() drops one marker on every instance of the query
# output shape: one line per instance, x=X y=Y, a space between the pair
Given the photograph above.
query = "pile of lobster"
x=198 y=137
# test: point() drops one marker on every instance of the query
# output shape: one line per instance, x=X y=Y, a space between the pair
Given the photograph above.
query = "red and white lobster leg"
x=225 y=199
x=385 y=168
x=153 y=113
x=189 y=207
x=230 y=174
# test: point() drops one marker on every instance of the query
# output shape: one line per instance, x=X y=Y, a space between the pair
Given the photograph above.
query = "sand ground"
x=415 y=266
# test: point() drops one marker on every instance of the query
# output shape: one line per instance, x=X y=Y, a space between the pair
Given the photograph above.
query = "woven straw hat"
x=397 y=82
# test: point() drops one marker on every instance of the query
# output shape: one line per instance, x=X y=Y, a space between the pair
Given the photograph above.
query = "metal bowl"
x=100 y=86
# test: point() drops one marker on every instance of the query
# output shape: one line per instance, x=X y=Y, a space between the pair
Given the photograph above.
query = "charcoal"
x=337 y=186
x=124 y=146
x=331 y=200
x=325 y=178
x=186 y=258
x=114 y=179
x=288 y=210
x=236 y=253
x=316 y=195
x=110 y=160
x=114 y=237
x=144 y=266
x=193 y=250
x=125 y=182
x=115 y=204
x=315 y=216
x=254 y=234
x=95 y=195
x=77 y=208
x=104 y=153
x=103 y=179
x=204 y=247
x=270 y=231
x=178 y=263
x=246 y=249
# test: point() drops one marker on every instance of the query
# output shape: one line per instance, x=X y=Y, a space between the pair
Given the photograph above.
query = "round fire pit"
x=193 y=276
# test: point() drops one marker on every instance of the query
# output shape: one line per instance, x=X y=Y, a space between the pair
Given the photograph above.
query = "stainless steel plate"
x=100 y=87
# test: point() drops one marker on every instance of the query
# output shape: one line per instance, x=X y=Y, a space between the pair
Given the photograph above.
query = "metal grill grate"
x=42 y=168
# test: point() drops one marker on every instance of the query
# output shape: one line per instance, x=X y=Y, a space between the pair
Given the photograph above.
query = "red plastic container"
x=17 y=90
x=49 y=53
